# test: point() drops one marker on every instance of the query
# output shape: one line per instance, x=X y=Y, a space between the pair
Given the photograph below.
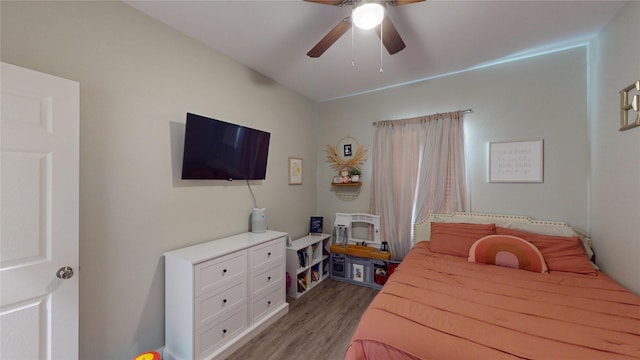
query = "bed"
x=440 y=305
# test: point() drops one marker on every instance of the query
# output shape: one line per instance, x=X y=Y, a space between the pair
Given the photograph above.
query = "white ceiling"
x=442 y=37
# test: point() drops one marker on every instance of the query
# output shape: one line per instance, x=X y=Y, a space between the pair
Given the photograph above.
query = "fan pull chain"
x=381 y=35
x=353 y=62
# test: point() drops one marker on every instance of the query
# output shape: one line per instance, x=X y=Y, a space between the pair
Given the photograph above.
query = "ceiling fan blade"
x=330 y=38
x=391 y=39
x=402 y=2
x=330 y=2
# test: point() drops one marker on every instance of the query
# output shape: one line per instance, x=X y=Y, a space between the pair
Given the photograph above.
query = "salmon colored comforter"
x=437 y=306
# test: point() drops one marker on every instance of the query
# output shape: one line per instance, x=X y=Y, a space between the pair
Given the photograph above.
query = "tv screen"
x=219 y=150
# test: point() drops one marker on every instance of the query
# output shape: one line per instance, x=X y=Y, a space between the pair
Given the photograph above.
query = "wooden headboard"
x=422 y=228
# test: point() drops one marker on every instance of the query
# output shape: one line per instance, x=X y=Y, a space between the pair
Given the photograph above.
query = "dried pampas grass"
x=337 y=163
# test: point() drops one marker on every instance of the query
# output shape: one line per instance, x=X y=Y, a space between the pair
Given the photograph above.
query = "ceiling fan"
x=389 y=35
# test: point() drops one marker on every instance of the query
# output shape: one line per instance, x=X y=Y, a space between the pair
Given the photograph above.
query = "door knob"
x=65 y=272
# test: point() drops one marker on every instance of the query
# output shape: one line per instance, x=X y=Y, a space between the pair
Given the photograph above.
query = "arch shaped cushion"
x=509 y=251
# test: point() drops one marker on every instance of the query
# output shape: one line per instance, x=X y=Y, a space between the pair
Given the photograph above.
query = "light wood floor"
x=319 y=325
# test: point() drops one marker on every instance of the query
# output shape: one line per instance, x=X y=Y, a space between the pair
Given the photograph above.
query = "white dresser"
x=220 y=294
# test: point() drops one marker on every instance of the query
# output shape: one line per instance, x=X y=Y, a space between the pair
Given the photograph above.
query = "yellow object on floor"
x=151 y=355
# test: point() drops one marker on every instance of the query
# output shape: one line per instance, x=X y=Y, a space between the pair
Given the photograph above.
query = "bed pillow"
x=553 y=230
x=508 y=251
x=561 y=253
x=456 y=238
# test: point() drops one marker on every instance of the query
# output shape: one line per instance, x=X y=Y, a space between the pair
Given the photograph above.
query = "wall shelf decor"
x=516 y=161
x=627 y=105
x=346 y=191
x=351 y=184
x=346 y=157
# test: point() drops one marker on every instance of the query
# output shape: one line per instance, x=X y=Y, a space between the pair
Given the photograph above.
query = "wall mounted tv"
x=219 y=150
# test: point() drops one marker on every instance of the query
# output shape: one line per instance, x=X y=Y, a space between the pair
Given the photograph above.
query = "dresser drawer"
x=267 y=277
x=266 y=253
x=210 y=274
x=214 y=303
x=264 y=304
x=209 y=338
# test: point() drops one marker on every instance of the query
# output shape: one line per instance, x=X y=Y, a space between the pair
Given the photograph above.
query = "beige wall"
x=615 y=159
x=536 y=98
x=138 y=78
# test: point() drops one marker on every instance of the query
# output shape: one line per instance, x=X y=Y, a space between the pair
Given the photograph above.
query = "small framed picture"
x=358 y=272
x=295 y=171
x=337 y=179
x=316 y=225
x=347 y=150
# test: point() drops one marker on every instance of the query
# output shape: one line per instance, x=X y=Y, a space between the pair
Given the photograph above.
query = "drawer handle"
x=224 y=271
x=269 y=254
x=224 y=301
x=269 y=302
x=269 y=278
x=224 y=331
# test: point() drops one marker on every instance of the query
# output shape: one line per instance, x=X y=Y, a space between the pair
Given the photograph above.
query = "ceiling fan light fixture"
x=368 y=15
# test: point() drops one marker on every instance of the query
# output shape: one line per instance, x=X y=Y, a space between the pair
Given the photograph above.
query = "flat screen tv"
x=219 y=150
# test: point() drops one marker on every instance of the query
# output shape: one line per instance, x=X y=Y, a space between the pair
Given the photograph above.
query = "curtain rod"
x=467 y=111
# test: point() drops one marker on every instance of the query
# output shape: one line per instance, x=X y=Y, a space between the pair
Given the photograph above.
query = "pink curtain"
x=417 y=169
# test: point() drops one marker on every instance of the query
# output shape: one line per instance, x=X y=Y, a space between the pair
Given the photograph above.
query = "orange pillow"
x=508 y=251
x=457 y=238
x=561 y=253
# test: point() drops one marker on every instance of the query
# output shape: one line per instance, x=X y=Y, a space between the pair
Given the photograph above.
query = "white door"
x=39 y=166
